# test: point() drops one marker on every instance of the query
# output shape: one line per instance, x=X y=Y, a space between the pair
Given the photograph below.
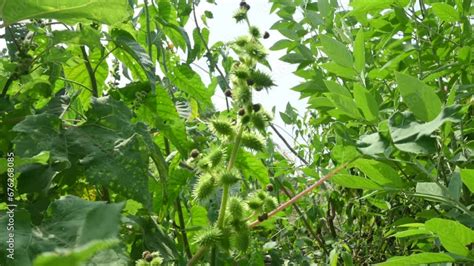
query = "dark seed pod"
x=149 y=258
x=228 y=93
x=145 y=253
x=263 y=217
x=266 y=35
x=269 y=187
x=256 y=107
x=195 y=153
x=241 y=112
x=250 y=82
x=244 y=5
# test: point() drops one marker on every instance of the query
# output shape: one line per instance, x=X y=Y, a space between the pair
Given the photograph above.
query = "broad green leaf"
x=405 y=137
x=282 y=44
x=37 y=134
x=379 y=172
x=372 y=145
x=432 y=189
x=69 y=11
x=189 y=81
x=467 y=176
x=126 y=42
x=101 y=223
x=252 y=167
x=366 y=102
x=74 y=256
x=455 y=185
x=341 y=71
x=445 y=12
x=337 y=51
x=420 y=98
x=295 y=58
x=160 y=112
x=356 y=182
x=412 y=232
x=417 y=259
x=359 y=51
x=336 y=88
x=363 y=7
x=453 y=235
x=344 y=104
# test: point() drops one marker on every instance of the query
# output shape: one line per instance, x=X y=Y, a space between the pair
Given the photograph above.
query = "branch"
x=304 y=192
x=303 y=218
x=288 y=144
x=209 y=52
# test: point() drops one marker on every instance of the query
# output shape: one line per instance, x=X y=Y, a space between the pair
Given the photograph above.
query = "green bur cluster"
x=243 y=128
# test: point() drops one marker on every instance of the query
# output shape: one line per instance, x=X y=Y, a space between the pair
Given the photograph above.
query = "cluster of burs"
x=243 y=126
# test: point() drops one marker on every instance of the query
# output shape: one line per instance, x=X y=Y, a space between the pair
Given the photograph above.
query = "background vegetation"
x=120 y=157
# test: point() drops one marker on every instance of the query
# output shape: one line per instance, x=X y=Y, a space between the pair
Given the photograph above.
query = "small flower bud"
x=266 y=35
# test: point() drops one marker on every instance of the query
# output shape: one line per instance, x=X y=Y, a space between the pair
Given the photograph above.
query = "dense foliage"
x=113 y=153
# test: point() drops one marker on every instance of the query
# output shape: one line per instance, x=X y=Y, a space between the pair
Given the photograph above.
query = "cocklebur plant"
x=245 y=128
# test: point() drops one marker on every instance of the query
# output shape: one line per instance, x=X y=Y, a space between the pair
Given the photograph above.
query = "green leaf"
x=453 y=235
x=160 y=112
x=445 y=12
x=412 y=232
x=69 y=11
x=405 y=137
x=420 y=98
x=379 y=172
x=359 y=51
x=189 y=81
x=372 y=145
x=344 y=104
x=295 y=58
x=336 y=88
x=74 y=256
x=363 y=7
x=337 y=51
x=356 y=182
x=417 y=259
x=125 y=41
x=281 y=44
x=432 y=189
x=101 y=223
x=341 y=71
x=366 y=102
x=467 y=176
x=252 y=167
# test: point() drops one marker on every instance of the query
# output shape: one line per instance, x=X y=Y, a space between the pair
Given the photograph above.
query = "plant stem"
x=90 y=71
x=288 y=145
x=148 y=32
x=182 y=228
x=230 y=165
x=304 y=192
x=225 y=197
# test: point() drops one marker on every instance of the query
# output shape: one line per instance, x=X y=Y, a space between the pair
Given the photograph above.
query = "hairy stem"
x=225 y=197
